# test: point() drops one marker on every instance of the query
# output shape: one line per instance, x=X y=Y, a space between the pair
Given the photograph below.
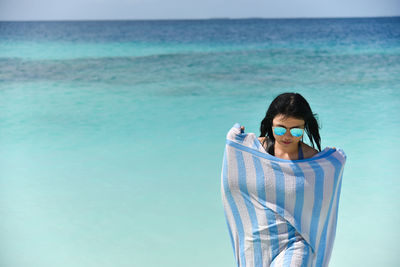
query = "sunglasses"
x=296 y=132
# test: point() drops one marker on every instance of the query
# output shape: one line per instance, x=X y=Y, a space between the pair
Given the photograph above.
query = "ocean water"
x=112 y=133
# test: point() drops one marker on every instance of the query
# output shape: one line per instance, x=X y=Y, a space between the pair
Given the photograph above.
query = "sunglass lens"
x=296 y=132
x=279 y=130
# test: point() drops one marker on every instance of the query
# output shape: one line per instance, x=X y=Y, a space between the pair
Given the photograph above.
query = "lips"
x=286 y=142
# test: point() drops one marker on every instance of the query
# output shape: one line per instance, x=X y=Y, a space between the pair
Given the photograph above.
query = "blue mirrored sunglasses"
x=296 y=132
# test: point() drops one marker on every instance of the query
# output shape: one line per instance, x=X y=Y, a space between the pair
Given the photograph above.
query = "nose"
x=288 y=134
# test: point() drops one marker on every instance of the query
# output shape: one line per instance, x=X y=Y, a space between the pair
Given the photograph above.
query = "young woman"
x=281 y=195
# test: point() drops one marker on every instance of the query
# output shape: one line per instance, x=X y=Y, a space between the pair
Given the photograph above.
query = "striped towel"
x=279 y=212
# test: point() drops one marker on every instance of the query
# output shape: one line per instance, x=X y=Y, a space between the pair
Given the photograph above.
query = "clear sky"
x=191 y=9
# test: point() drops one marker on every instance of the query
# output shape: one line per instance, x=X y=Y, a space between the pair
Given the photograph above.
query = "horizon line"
x=185 y=19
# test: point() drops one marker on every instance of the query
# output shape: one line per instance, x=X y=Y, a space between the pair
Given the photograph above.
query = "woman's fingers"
x=242 y=129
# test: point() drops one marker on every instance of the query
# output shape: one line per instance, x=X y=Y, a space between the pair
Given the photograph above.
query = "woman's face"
x=289 y=122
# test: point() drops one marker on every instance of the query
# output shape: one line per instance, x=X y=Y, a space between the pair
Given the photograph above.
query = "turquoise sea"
x=112 y=133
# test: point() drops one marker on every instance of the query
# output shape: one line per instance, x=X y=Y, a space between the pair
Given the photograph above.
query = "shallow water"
x=112 y=133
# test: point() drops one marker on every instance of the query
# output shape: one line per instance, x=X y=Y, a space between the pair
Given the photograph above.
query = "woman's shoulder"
x=261 y=139
x=263 y=142
x=308 y=151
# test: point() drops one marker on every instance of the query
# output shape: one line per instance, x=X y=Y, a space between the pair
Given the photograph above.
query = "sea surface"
x=112 y=133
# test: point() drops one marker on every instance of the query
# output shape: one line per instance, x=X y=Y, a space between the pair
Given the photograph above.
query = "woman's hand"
x=242 y=129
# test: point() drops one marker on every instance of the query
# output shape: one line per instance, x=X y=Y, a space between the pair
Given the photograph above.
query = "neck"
x=286 y=152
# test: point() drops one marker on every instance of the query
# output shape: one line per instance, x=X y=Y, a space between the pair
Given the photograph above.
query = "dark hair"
x=290 y=105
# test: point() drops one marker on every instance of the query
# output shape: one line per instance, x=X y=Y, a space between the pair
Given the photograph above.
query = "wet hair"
x=290 y=105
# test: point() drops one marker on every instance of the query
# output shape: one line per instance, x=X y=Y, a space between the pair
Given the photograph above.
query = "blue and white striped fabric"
x=279 y=212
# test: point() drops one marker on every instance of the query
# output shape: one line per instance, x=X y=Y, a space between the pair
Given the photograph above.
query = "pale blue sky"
x=190 y=9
